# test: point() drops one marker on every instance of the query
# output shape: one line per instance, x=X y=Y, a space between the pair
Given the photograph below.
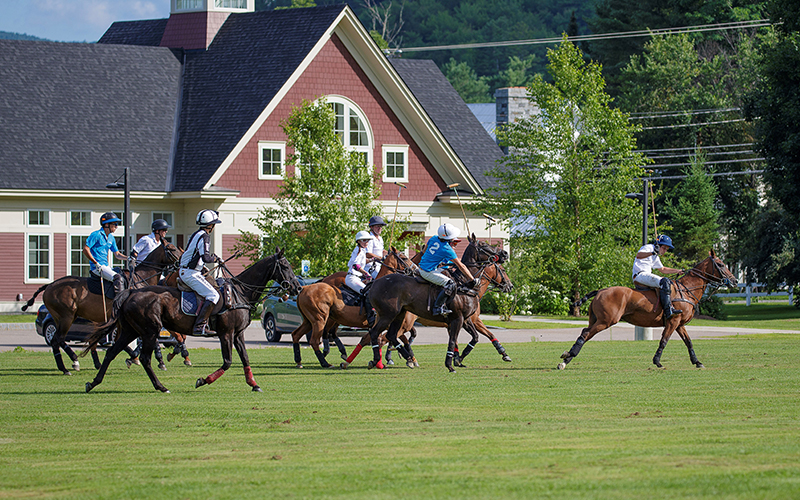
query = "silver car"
x=280 y=316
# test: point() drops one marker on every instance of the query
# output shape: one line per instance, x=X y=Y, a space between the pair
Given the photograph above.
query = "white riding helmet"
x=208 y=217
x=448 y=232
x=363 y=235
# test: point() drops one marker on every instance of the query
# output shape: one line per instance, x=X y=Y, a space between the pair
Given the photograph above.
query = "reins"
x=709 y=280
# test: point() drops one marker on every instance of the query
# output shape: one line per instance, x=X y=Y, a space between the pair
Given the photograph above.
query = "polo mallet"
x=103 y=298
x=454 y=186
x=492 y=221
x=653 y=204
x=400 y=189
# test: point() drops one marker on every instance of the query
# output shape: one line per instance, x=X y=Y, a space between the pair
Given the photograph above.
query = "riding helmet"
x=448 y=232
x=665 y=240
x=159 y=224
x=208 y=217
x=108 y=218
x=376 y=220
x=363 y=235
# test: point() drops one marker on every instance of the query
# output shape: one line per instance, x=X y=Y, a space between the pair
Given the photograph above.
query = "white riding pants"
x=199 y=284
x=354 y=282
x=105 y=272
x=649 y=280
x=435 y=277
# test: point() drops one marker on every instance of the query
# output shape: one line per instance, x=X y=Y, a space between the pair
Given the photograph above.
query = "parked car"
x=280 y=315
x=80 y=329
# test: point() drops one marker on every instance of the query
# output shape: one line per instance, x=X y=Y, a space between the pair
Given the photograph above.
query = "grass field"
x=609 y=426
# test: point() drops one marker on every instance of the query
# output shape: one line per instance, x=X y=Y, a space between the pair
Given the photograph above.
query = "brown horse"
x=69 y=297
x=145 y=311
x=394 y=295
x=323 y=309
x=642 y=307
x=490 y=255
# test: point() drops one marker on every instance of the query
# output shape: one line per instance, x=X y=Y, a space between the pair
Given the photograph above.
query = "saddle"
x=352 y=298
x=190 y=300
x=94 y=286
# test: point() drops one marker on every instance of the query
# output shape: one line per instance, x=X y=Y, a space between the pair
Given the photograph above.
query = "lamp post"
x=127 y=242
x=642 y=332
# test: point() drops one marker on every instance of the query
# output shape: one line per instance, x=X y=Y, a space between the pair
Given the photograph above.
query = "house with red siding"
x=192 y=106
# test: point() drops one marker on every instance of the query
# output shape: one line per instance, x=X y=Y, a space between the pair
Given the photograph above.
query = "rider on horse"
x=96 y=249
x=150 y=242
x=356 y=266
x=647 y=259
x=375 y=251
x=438 y=252
x=192 y=262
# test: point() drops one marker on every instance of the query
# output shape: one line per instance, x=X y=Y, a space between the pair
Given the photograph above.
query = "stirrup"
x=441 y=311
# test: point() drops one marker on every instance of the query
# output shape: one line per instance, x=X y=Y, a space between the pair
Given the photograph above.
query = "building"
x=192 y=106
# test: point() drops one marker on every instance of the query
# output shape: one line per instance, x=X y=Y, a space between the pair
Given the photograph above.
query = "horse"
x=642 y=307
x=145 y=310
x=323 y=309
x=69 y=297
x=394 y=295
x=492 y=254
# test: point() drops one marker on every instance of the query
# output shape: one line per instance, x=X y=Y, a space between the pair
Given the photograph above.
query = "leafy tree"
x=320 y=210
x=692 y=214
x=518 y=72
x=567 y=173
x=466 y=82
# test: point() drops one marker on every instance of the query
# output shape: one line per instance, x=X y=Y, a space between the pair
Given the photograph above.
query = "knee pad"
x=665 y=284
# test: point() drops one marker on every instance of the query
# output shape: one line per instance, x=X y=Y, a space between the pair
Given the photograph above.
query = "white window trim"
x=28 y=217
x=262 y=145
x=80 y=225
x=69 y=249
x=399 y=148
x=367 y=125
x=49 y=258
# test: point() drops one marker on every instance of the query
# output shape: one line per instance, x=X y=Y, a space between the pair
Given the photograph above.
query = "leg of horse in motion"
x=149 y=344
x=688 y=341
x=381 y=324
x=238 y=342
x=453 y=328
x=160 y=357
x=56 y=345
x=665 y=335
x=594 y=328
x=365 y=341
x=391 y=338
x=74 y=357
x=180 y=348
x=476 y=320
x=226 y=346
x=470 y=328
x=96 y=359
x=297 y=334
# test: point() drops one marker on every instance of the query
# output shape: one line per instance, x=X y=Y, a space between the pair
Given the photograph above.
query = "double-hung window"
x=271 y=157
x=395 y=163
x=38 y=247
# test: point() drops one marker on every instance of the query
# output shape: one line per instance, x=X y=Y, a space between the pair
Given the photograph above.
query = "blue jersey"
x=99 y=244
x=436 y=252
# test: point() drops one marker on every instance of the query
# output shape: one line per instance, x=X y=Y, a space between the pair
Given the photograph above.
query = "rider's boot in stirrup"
x=439 y=308
x=666 y=300
x=201 y=323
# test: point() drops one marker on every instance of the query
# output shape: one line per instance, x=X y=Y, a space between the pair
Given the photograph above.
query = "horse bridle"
x=493 y=260
x=256 y=291
x=713 y=280
x=407 y=270
x=159 y=269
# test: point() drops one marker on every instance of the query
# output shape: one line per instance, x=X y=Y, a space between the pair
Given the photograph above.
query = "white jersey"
x=375 y=245
x=145 y=245
x=647 y=264
x=358 y=257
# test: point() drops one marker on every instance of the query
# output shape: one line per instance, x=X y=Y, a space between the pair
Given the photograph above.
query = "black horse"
x=146 y=310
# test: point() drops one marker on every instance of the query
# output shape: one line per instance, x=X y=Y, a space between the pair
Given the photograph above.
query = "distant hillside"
x=6 y=35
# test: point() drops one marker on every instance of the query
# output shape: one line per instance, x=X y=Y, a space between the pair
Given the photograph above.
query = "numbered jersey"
x=436 y=252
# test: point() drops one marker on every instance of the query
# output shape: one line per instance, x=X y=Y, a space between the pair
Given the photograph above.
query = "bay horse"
x=643 y=308
x=471 y=253
x=394 y=295
x=146 y=310
x=69 y=297
x=323 y=307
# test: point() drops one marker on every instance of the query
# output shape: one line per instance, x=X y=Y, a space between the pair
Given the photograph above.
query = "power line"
x=718 y=174
x=694 y=124
x=720 y=146
x=718 y=162
x=602 y=36
x=720 y=153
x=669 y=114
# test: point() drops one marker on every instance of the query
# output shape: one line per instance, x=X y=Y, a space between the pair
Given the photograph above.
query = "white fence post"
x=748 y=293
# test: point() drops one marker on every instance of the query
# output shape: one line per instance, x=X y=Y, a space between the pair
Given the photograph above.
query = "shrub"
x=713 y=307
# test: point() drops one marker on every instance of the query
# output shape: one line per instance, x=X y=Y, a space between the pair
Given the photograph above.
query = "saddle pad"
x=349 y=296
x=189 y=303
x=93 y=285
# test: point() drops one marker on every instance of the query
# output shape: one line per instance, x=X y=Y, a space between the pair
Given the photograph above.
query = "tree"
x=518 y=72
x=567 y=173
x=466 y=82
x=382 y=22
x=320 y=209
x=692 y=214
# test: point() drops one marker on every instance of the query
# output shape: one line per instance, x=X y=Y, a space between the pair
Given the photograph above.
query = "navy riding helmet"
x=665 y=240
x=108 y=218
x=159 y=224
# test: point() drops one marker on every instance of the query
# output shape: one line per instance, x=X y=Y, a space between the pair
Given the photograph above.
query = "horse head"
x=284 y=274
x=489 y=260
x=399 y=262
x=714 y=271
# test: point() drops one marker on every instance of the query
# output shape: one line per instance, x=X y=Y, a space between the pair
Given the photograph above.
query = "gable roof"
x=458 y=124
x=72 y=114
x=135 y=33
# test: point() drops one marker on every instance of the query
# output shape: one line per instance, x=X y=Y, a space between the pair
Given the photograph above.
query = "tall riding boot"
x=201 y=323
x=439 y=309
x=666 y=300
x=367 y=308
x=119 y=286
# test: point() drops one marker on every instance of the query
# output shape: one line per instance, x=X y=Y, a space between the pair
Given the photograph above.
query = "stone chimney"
x=512 y=104
x=193 y=24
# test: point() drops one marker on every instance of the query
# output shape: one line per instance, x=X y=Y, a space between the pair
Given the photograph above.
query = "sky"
x=75 y=20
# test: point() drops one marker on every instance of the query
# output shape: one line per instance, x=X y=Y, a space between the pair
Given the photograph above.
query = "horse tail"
x=118 y=300
x=586 y=297
x=99 y=334
x=32 y=299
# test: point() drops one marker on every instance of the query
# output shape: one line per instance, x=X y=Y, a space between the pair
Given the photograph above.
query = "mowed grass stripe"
x=609 y=426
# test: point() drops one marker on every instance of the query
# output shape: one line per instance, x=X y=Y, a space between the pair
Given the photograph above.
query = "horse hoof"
x=76 y=366
x=298 y=365
x=561 y=366
x=170 y=356
x=187 y=362
x=128 y=362
x=416 y=363
x=452 y=370
x=699 y=365
x=344 y=365
x=164 y=390
x=67 y=372
x=200 y=382
x=162 y=367
x=389 y=361
x=89 y=386
x=410 y=363
x=658 y=364
x=506 y=358
x=257 y=389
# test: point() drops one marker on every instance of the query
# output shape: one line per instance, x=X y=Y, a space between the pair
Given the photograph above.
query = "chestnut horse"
x=394 y=295
x=322 y=306
x=69 y=297
x=146 y=310
x=642 y=307
x=490 y=254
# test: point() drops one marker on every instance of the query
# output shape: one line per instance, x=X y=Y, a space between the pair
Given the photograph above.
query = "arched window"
x=352 y=126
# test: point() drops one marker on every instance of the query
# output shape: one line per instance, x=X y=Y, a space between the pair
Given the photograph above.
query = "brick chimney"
x=193 y=24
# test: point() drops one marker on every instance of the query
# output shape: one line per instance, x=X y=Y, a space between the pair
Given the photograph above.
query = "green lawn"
x=609 y=426
x=18 y=318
